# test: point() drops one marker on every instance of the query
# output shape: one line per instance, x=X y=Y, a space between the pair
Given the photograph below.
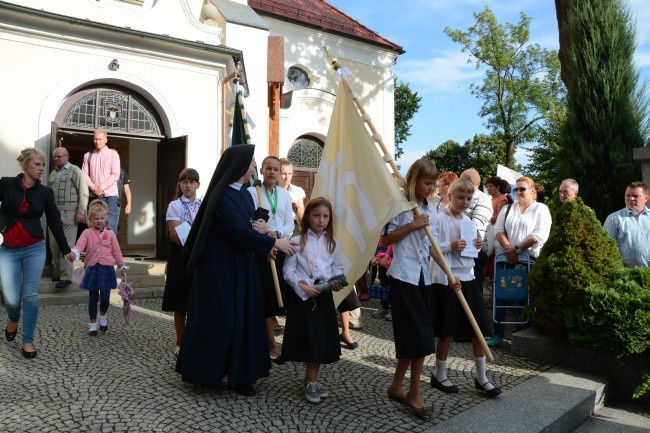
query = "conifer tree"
x=607 y=109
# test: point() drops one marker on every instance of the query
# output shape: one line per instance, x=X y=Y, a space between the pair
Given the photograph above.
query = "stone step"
x=136 y=281
x=136 y=267
x=558 y=400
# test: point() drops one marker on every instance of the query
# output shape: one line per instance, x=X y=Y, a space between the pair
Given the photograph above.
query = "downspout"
x=223 y=110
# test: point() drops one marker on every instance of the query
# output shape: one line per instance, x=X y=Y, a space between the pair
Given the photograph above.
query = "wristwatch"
x=517 y=249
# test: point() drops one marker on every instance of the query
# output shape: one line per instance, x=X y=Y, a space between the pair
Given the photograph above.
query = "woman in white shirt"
x=523 y=226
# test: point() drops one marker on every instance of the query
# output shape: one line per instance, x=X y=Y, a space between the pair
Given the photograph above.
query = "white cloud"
x=641 y=12
x=447 y=74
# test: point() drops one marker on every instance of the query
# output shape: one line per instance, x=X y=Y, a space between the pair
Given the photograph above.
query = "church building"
x=159 y=77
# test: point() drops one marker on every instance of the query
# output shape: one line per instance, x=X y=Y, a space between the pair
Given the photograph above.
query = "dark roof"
x=321 y=15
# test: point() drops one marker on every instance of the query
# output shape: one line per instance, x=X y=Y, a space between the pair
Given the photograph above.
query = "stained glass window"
x=305 y=153
x=112 y=110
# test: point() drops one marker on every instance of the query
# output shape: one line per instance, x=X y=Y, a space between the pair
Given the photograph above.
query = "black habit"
x=225 y=333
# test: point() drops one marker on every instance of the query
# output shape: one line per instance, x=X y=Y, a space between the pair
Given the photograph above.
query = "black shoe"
x=11 y=336
x=92 y=333
x=103 y=328
x=29 y=355
x=449 y=389
x=245 y=390
x=56 y=278
x=350 y=346
x=63 y=284
x=490 y=392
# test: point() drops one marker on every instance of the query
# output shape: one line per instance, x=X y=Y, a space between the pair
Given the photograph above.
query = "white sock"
x=441 y=370
x=481 y=373
x=102 y=320
x=92 y=326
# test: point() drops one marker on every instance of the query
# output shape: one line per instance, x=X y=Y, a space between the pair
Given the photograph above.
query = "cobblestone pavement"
x=124 y=381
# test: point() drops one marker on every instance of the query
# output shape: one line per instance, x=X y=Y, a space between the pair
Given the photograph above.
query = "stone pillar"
x=642 y=154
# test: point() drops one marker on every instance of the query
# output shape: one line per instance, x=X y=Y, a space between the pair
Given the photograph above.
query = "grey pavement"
x=124 y=381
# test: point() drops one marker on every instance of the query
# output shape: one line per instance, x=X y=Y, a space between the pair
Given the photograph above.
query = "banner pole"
x=401 y=182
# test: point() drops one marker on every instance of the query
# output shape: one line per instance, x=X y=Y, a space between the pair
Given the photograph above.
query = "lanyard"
x=273 y=203
x=188 y=212
x=309 y=262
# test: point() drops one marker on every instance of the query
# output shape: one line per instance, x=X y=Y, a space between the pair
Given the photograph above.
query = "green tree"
x=544 y=159
x=449 y=156
x=607 y=108
x=483 y=152
x=407 y=103
x=521 y=83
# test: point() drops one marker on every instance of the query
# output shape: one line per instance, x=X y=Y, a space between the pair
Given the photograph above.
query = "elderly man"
x=71 y=197
x=630 y=226
x=101 y=169
x=568 y=190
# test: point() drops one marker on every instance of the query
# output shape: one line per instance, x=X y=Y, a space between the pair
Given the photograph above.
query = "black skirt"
x=351 y=302
x=178 y=284
x=311 y=333
x=271 y=307
x=450 y=318
x=412 y=319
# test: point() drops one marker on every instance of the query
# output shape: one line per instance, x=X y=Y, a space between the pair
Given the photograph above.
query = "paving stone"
x=124 y=380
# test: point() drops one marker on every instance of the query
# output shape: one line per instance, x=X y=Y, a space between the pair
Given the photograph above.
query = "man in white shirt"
x=479 y=211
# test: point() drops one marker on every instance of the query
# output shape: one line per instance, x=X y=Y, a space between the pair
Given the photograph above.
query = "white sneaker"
x=322 y=391
x=380 y=312
x=389 y=316
x=311 y=392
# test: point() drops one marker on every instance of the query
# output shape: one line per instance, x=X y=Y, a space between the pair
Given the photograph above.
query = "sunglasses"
x=522 y=189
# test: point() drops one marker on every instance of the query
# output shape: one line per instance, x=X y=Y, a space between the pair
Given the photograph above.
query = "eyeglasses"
x=522 y=189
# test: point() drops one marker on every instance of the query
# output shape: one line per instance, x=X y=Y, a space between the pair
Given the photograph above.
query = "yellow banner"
x=355 y=178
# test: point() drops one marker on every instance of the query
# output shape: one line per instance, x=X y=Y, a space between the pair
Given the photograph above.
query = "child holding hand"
x=102 y=251
x=311 y=332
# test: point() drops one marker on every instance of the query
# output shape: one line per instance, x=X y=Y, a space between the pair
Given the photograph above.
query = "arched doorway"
x=305 y=154
x=151 y=159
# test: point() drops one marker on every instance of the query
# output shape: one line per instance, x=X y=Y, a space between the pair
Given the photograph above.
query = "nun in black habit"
x=225 y=331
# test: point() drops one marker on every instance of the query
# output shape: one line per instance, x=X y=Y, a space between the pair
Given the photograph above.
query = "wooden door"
x=304 y=178
x=172 y=153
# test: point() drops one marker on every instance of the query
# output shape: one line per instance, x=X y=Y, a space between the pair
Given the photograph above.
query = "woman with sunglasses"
x=522 y=227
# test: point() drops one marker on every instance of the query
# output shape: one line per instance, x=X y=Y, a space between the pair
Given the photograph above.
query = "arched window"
x=111 y=110
x=298 y=78
x=306 y=152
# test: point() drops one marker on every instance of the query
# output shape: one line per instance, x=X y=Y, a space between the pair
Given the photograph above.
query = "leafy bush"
x=577 y=254
x=615 y=317
x=615 y=314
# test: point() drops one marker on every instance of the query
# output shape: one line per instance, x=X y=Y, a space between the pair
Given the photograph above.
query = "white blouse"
x=311 y=263
x=411 y=254
x=282 y=219
x=462 y=267
x=182 y=209
x=536 y=221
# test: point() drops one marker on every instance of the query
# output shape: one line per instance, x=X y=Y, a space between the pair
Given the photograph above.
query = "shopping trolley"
x=510 y=290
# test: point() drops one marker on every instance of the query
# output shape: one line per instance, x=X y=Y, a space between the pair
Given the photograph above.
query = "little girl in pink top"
x=102 y=251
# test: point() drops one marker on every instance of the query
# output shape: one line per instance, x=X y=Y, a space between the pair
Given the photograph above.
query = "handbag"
x=78 y=274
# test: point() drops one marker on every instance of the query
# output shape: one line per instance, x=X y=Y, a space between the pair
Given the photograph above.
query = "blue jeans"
x=113 y=211
x=20 y=272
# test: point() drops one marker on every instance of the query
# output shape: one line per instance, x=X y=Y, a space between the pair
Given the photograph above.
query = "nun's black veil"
x=234 y=163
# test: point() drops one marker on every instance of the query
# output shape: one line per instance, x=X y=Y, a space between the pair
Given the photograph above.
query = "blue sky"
x=437 y=69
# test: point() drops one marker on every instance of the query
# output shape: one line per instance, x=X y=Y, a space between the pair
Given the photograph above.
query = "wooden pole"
x=401 y=182
x=274 y=270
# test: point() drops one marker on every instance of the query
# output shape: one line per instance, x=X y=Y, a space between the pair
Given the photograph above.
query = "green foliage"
x=606 y=107
x=483 y=152
x=407 y=104
x=521 y=83
x=545 y=157
x=615 y=314
x=578 y=252
x=644 y=387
